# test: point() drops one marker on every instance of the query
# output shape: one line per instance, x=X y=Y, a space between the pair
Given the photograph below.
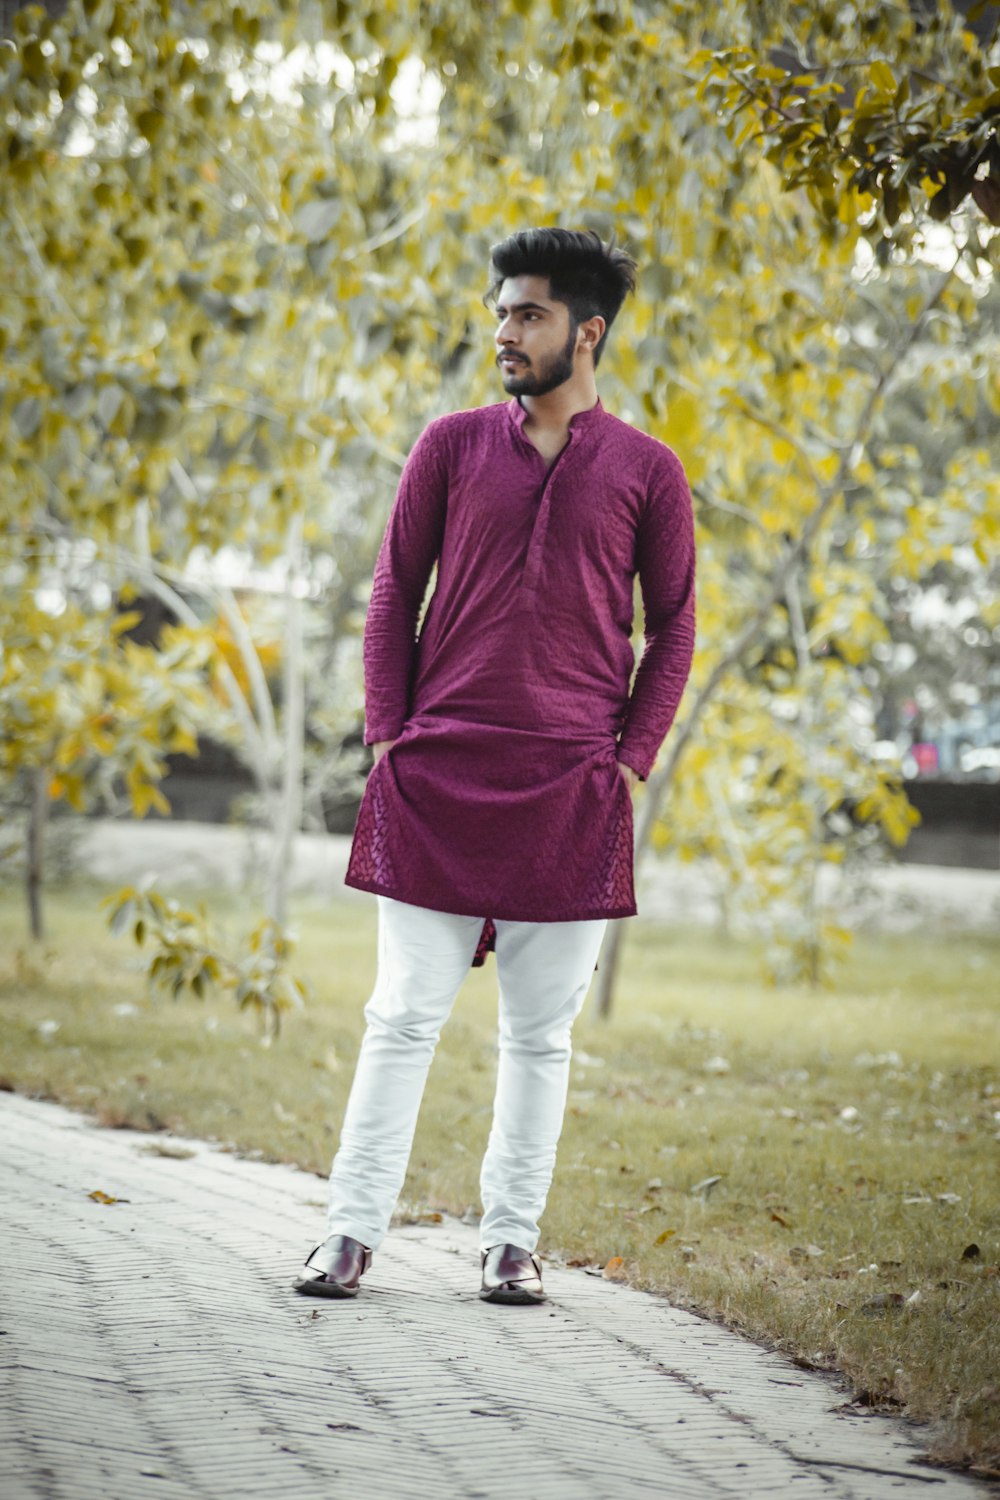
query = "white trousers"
x=544 y=970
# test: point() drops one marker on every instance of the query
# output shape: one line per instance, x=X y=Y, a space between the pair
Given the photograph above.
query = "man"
x=506 y=741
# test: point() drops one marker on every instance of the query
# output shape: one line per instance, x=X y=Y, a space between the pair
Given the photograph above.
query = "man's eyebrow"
x=520 y=307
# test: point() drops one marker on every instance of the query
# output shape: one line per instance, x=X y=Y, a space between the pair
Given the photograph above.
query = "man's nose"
x=505 y=334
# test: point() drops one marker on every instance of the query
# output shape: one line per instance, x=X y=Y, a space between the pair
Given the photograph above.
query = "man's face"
x=536 y=339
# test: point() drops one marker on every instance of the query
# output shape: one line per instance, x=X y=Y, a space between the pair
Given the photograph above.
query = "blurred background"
x=244 y=251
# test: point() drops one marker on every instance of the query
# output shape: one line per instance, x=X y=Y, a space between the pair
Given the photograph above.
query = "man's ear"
x=592 y=331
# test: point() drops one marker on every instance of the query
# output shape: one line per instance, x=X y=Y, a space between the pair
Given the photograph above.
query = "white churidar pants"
x=544 y=971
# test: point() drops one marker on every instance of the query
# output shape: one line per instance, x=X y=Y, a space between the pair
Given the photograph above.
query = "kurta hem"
x=519 y=914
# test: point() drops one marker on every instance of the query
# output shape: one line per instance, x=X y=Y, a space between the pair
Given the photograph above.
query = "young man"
x=507 y=742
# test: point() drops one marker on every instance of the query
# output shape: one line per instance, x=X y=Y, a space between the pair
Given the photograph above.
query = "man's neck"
x=554 y=411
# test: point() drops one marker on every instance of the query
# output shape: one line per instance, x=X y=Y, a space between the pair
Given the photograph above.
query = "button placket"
x=536 y=546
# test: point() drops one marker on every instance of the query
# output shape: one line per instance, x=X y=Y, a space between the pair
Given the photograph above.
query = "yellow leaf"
x=73 y=792
x=882 y=77
x=684 y=418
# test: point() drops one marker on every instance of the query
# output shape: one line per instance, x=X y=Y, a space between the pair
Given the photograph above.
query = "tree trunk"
x=35 y=852
x=803 y=656
x=288 y=812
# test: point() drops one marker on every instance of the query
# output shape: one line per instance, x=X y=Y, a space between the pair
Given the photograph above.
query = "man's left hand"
x=631 y=777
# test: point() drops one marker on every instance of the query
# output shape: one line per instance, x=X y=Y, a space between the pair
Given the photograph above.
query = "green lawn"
x=848 y=1140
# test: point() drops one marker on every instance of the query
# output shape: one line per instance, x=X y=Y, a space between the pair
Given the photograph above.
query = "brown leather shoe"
x=334 y=1268
x=511 y=1275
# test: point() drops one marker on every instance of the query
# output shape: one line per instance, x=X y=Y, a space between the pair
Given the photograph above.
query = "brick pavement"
x=153 y=1348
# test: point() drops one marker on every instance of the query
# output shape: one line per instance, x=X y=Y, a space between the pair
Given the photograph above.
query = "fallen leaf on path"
x=100 y=1197
x=615 y=1269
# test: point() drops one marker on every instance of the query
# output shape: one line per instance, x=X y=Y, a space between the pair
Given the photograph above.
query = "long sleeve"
x=665 y=559
x=406 y=559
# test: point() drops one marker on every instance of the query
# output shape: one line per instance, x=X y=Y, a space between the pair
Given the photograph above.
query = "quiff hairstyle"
x=592 y=277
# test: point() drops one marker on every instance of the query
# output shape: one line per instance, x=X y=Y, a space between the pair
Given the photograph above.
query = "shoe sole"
x=309 y=1287
x=510 y=1296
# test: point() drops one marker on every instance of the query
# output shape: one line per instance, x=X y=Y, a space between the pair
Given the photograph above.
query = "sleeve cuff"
x=640 y=764
x=376 y=733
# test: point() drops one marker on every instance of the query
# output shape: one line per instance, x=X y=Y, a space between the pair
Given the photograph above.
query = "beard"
x=552 y=372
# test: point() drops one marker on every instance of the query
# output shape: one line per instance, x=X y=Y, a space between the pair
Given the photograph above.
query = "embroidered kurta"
x=512 y=706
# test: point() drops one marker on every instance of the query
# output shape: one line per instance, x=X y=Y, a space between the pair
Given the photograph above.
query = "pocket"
x=378 y=764
x=626 y=792
x=608 y=768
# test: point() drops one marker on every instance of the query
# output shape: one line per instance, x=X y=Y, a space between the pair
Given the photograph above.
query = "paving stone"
x=154 y=1347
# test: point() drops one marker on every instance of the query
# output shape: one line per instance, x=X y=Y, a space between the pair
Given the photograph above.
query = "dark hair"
x=591 y=277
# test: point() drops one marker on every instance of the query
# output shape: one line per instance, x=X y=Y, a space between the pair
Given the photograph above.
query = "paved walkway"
x=151 y=1347
x=891 y=897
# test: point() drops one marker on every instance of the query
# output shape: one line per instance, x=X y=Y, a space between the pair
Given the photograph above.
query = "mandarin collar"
x=578 y=419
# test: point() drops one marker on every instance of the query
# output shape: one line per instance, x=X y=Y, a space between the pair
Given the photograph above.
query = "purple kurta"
x=502 y=795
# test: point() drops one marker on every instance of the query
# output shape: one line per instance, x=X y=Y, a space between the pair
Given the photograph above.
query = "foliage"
x=186 y=959
x=881 y=100
x=90 y=708
x=252 y=244
x=779 y=787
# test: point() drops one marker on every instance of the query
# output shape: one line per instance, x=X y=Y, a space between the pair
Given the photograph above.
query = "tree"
x=251 y=258
x=213 y=420
x=900 y=104
x=81 y=708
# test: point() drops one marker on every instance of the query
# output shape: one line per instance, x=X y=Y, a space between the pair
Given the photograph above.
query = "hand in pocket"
x=630 y=777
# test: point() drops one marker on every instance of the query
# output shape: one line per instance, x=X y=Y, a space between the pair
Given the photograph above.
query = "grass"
x=813 y=1169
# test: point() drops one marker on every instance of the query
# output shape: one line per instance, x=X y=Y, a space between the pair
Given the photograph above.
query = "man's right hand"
x=379 y=748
